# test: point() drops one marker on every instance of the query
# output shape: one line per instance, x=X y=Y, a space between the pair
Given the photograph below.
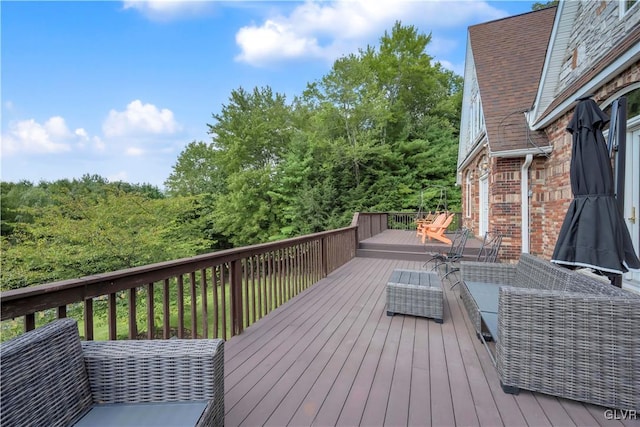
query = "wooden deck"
x=331 y=356
x=404 y=245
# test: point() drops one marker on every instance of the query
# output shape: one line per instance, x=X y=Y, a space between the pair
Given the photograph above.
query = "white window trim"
x=623 y=7
x=468 y=199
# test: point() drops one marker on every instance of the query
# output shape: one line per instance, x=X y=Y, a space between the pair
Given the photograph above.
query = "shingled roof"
x=509 y=55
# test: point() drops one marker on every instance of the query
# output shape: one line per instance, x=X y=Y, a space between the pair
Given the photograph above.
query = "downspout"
x=524 y=197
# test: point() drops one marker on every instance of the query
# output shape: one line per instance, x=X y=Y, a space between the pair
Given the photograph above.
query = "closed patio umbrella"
x=593 y=233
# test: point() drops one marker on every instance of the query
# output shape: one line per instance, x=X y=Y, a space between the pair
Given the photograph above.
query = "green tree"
x=544 y=5
x=252 y=131
x=197 y=171
x=76 y=235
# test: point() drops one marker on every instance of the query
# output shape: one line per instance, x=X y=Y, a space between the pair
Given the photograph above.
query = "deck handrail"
x=243 y=284
x=407 y=220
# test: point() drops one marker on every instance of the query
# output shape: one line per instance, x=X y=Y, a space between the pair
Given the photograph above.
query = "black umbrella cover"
x=593 y=233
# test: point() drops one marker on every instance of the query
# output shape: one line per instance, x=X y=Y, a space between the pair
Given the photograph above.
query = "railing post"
x=236 y=297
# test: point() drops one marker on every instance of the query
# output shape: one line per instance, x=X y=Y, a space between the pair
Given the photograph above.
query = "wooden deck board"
x=331 y=356
x=397 y=413
x=420 y=394
x=306 y=330
x=486 y=407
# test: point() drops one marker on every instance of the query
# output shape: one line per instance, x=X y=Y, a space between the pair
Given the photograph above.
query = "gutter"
x=524 y=201
x=546 y=149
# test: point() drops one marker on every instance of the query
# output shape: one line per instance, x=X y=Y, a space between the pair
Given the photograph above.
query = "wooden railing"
x=211 y=295
x=407 y=220
x=369 y=224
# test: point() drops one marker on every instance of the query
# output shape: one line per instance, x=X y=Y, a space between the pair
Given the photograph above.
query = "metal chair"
x=488 y=252
x=454 y=254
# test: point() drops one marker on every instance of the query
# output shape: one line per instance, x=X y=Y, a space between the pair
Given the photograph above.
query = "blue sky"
x=119 y=88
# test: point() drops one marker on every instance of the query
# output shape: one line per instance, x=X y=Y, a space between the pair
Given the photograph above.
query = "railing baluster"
x=269 y=282
x=29 y=322
x=223 y=287
x=214 y=285
x=203 y=293
x=166 y=315
x=133 y=321
x=298 y=267
x=151 y=327
x=180 y=301
x=88 y=319
x=112 y=316
x=236 y=297
x=245 y=290
x=280 y=276
x=255 y=294
x=62 y=312
x=194 y=305
x=263 y=285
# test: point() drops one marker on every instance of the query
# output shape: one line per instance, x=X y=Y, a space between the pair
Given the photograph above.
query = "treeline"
x=379 y=132
x=65 y=229
x=373 y=133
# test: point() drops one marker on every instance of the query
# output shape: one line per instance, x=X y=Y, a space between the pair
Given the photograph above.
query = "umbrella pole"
x=620 y=138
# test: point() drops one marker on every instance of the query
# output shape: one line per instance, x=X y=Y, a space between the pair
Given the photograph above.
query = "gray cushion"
x=485 y=295
x=168 y=414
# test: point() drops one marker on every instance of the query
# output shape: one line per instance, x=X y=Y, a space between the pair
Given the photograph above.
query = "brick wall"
x=549 y=177
x=505 y=208
x=551 y=190
x=549 y=181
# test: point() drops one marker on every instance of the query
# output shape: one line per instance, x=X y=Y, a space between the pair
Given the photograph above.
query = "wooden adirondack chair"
x=428 y=219
x=437 y=232
x=424 y=225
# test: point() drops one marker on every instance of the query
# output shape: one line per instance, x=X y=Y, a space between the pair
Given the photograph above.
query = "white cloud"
x=140 y=119
x=8 y=105
x=118 y=176
x=328 y=30
x=134 y=151
x=98 y=144
x=259 y=43
x=29 y=136
x=82 y=134
x=163 y=10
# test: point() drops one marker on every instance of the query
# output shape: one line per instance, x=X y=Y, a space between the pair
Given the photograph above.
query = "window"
x=633 y=102
x=476 y=122
x=626 y=5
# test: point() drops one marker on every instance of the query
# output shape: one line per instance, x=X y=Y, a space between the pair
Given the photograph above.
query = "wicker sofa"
x=557 y=331
x=50 y=377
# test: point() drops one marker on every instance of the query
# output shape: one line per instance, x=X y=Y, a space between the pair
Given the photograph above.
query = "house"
x=522 y=77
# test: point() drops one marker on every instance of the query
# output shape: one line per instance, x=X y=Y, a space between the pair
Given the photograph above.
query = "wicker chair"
x=559 y=332
x=50 y=377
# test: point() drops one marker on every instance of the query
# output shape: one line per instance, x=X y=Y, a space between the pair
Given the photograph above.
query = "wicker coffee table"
x=415 y=292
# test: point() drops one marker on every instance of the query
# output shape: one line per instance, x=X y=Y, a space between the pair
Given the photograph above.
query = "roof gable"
x=558 y=43
x=509 y=55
